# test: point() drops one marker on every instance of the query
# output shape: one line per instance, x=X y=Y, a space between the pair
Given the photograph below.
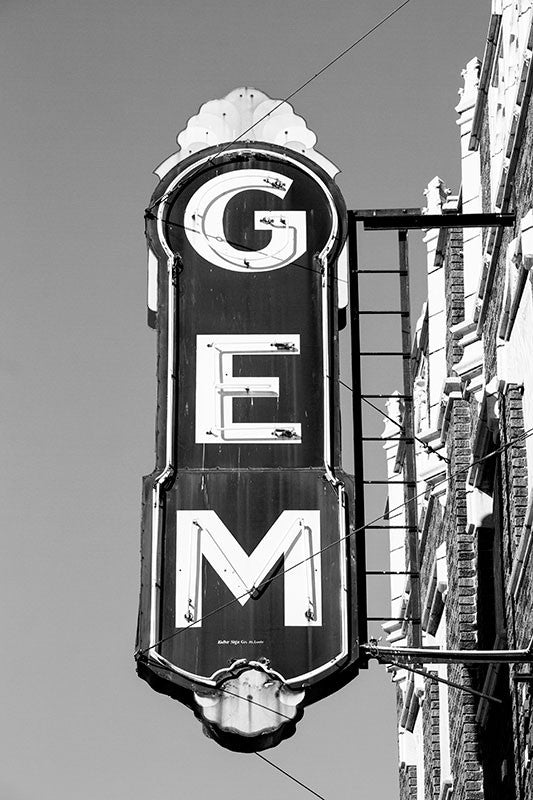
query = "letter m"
x=295 y=537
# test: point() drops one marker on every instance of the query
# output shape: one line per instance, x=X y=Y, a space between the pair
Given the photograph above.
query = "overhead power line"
x=148 y=214
x=300 y=783
x=317 y=74
x=304 y=84
x=253 y=702
x=439 y=679
x=427 y=447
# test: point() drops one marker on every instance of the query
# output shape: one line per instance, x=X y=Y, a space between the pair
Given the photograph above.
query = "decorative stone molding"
x=428 y=463
x=413 y=700
x=509 y=76
x=515 y=280
x=438 y=200
x=407 y=750
x=479 y=507
x=485 y=74
x=425 y=519
x=393 y=444
x=518 y=262
x=430 y=469
x=437 y=590
x=468 y=92
x=514 y=348
x=419 y=362
x=470 y=188
x=526 y=237
x=436 y=195
x=508 y=104
x=489 y=684
x=420 y=396
x=451 y=391
x=446 y=789
x=396 y=629
x=486 y=429
x=471 y=366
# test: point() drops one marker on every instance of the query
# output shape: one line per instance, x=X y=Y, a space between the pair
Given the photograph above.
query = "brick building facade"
x=473 y=402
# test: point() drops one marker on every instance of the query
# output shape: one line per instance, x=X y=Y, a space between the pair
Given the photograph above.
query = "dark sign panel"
x=247 y=588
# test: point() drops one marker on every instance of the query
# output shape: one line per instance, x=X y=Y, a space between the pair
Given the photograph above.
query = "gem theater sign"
x=248 y=577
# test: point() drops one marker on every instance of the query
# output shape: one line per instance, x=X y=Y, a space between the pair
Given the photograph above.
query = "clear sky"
x=94 y=92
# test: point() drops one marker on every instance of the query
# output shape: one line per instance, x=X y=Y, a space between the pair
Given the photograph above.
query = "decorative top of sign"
x=246 y=115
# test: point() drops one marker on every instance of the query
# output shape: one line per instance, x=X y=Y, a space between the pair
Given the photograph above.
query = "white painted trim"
x=342 y=278
x=437 y=588
x=523 y=551
x=151 y=299
x=343 y=538
x=511 y=144
x=168 y=469
x=326 y=376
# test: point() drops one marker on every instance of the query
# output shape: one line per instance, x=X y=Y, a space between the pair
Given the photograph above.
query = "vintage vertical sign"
x=247 y=582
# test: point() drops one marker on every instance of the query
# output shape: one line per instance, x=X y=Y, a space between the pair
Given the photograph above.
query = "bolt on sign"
x=247 y=606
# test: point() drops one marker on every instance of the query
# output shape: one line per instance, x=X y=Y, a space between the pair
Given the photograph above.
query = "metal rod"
x=380 y=313
x=454 y=685
x=357 y=419
x=386 y=396
x=409 y=463
x=379 y=272
x=428 y=655
x=387 y=439
x=385 y=353
x=387 y=527
x=387 y=572
x=388 y=619
x=395 y=221
x=387 y=482
x=362 y=213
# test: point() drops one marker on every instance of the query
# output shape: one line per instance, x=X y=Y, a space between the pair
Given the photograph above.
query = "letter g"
x=204 y=222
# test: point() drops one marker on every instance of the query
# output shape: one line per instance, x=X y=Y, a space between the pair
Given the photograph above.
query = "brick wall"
x=523 y=185
x=484 y=149
x=491 y=745
x=461 y=547
x=461 y=618
x=408 y=783
x=453 y=270
x=430 y=714
x=524 y=718
x=407 y=773
x=519 y=611
x=514 y=471
x=451 y=526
